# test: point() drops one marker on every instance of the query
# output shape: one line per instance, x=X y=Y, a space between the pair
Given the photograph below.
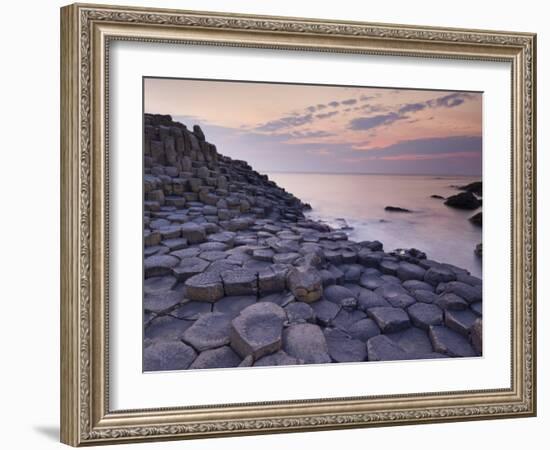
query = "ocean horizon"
x=445 y=234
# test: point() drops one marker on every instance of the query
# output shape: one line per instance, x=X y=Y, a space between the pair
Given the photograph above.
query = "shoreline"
x=237 y=275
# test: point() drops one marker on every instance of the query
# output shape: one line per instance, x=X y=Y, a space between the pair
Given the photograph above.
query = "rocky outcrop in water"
x=237 y=275
x=464 y=200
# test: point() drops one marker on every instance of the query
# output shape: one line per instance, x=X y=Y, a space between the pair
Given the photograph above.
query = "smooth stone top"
x=257 y=330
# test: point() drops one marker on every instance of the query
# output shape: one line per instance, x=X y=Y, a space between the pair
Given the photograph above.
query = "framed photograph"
x=280 y=224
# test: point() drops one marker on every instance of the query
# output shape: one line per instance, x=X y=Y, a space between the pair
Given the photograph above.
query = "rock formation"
x=237 y=275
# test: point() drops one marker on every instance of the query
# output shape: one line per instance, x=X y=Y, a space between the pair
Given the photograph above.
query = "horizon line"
x=369 y=173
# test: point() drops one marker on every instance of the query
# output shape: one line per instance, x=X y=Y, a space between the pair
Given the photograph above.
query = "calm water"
x=444 y=233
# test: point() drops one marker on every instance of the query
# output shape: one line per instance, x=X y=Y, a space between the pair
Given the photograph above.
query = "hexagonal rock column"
x=170 y=355
x=450 y=342
x=306 y=341
x=210 y=330
x=305 y=283
x=424 y=314
x=407 y=271
x=240 y=282
x=204 y=287
x=216 y=358
x=342 y=348
x=389 y=319
x=257 y=330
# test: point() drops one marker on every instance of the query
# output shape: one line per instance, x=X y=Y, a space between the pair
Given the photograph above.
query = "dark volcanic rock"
x=205 y=287
x=389 y=319
x=423 y=315
x=170 y=355
x=451 y=301
x=382 y=348
x=299 y=312
x=155 y=265
x=437 y=196
x=257 y=330
x=460 y=321
x=413 y=340
x=476 y=219
x=476 y=336
x=397 y=209
x=450 y=342
x=475 y=188
x=279 y=358
x=439 y=274
x=210 y=330
x=363 y=329
x=407 y=271
x=305 y=283
x=464 y=200
x=240 y=282
x=343 y=348
x=337 y=294
x=325 y=311
x=307 y=342
x=479 y=250
x=216 y=358
x=234 y=305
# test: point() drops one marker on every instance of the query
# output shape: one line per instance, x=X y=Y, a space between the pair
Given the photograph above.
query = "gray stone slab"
x=300 y=312
x=471 y=294
x=159 y=265
x=343 y=348
x=337 y=294
x=305 y=283
x=166 y=328
x=389 y=319
x=424 y=314
x=325 y=311
x=449 y=342
x=413 y=340
x=216 y=358
x=451 y=302
x=476 y=336
x=401 y=301
x=280 y=298
x=240 y=282
x=425 y=296
x=189 y=267
x=460 y=321
x=389 y=290
x=234 y=305
x=169 y=355
x=159 y=285
x=306 y=342
x=210 y=330
x=204 y=287
x=345 y=319
x=382 y=348
x=257 y=330
x=407 y=271
x=416 y=285
x=191 y=310
x=439 y=274
x=369 y=299
x=477 y=308
x=279 y=358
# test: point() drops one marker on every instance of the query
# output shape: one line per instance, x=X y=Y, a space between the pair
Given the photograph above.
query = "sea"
x=358 y=200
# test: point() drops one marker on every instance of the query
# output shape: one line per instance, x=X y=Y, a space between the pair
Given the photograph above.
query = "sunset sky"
x=304 y=128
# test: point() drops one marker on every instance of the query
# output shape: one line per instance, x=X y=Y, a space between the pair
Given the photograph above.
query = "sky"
x=329 y=129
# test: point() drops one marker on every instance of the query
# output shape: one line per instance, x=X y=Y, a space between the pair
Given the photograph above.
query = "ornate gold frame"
x=86 y=31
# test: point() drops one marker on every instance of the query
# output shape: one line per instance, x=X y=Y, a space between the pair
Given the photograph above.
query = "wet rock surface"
x=236 y=275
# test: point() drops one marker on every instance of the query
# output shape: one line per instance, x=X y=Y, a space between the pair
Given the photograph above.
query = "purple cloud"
x=368 y=123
